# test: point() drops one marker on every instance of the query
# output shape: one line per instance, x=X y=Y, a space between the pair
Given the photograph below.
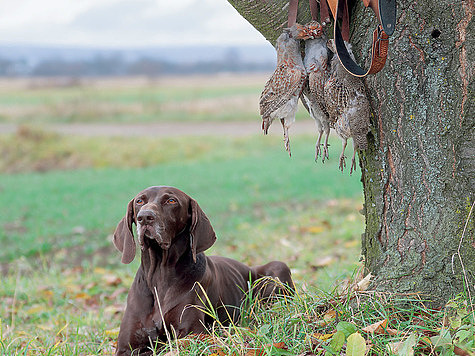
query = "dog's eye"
x=139 y=201
x=171 y=201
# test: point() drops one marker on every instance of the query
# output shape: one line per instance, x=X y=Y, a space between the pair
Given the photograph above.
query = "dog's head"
x=161 y=213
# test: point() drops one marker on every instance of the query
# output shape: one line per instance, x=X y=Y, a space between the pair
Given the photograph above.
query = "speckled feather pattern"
x=347 y=106
x=316 y=64
x=334 y=97
x=279 y=99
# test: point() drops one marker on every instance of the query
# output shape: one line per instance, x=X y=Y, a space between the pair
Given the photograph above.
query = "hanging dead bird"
x=316 y=65
x=280 y=96
x=347 y=106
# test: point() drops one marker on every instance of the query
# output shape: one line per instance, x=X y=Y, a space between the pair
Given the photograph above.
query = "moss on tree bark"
x=418 y=173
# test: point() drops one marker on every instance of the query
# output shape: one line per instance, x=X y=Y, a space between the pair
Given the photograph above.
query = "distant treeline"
x=116 y=66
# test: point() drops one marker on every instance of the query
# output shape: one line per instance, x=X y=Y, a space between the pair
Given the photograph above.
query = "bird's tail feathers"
x=360 y=141
x=359 y=127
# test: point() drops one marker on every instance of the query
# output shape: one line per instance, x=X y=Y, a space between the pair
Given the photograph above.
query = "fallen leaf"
x=45 y=291
x=114 y=309
x=346 y=328
x=90 y=285
x=315 y=229
x=172 y=353
x=356 y=345
x=380 y=328
x=352 y=243
x=460 y=352
x=280 y=345
x=403 y=347
x=337 y=341
x=323 y=262
x=329 y=315
x=376 y=326
x=81 y=295
x=322 y=337
x=93 y=301
x=232 y=247
x=116 y=293
x=285 y=243
x=36 y=309
x=443 y=339
x=111 y=280
x=364 y=283
x=393 y=347
x=99 y=270
x=262 y=351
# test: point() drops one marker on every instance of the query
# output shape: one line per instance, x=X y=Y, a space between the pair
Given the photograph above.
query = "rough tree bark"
x=418 y=173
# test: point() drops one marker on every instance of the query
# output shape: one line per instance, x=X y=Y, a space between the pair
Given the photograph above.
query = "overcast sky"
x=123 y=23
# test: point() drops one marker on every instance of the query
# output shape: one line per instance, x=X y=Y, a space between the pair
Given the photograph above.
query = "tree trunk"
x=418 y=173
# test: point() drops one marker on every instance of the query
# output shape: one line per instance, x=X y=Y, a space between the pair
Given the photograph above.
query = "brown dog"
x=167 y=293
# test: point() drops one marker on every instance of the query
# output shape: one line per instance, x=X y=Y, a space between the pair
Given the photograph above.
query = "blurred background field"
x=62 y=194
x=195 y=98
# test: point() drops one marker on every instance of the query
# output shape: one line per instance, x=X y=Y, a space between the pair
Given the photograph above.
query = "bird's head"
x=283 y=38
x=309 y=31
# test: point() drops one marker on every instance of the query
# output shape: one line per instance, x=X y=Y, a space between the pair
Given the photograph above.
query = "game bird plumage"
x=347 y=106
x=280 y=96
x=316 y=65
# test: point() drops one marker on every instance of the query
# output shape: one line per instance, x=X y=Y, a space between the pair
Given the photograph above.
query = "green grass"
x=247 y=187
x=55 y=226
x=77 y=311
x=129 y=101
x=63 y=287
x=319 y=324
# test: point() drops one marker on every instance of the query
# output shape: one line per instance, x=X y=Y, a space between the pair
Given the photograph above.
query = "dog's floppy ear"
x=201 y=232
x=123 y=235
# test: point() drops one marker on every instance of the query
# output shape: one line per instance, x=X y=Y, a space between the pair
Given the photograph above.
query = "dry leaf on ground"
x=380 y=327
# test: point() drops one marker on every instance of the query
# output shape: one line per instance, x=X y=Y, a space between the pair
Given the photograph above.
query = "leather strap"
x=324 y=14
x=379 y=53
x=313 y=9
x=385 y=11
x=339 y=9
x=345 y=17
x=292 y=17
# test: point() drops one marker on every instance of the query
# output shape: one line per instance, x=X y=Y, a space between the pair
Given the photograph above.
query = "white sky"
x=123 y=23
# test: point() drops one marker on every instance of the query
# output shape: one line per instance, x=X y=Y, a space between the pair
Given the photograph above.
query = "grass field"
x=253 y=195
x=63 y=287
x=190 y=99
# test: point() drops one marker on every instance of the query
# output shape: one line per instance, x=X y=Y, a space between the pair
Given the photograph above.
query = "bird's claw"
x=353 y=166
x=286 y=137
x=325 y=153
x=318 y=152
x=321 y=152
x=342 y=162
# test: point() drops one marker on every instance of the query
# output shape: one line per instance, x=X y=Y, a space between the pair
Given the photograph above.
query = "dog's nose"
x=146 y=217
